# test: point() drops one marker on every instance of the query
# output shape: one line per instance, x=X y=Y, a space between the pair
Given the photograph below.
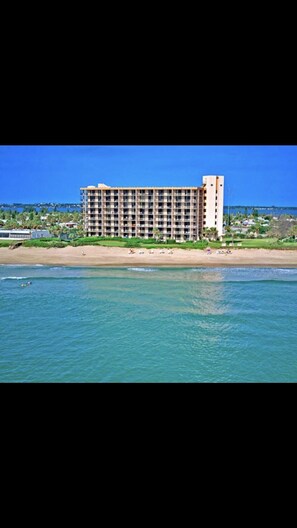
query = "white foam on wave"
x=16 y=265
x=145 y=270
x=14 y=278
x=287 y=270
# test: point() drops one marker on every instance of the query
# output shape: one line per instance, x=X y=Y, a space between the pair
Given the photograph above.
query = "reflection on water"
x=208 y=299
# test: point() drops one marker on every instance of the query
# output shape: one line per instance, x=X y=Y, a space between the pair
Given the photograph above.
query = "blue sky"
x=254 y=175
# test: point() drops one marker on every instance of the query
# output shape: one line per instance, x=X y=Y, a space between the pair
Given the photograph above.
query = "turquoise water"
x=148 y=325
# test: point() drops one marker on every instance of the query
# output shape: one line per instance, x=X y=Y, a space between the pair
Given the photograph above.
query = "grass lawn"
x=140 y=243
x=265 y=243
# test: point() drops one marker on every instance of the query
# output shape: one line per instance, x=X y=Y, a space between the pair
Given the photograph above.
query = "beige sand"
x=107 y=256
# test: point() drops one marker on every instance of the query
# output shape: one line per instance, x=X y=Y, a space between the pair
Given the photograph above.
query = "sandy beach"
x=114 y=256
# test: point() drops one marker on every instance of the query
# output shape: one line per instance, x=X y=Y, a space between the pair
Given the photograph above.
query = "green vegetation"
x=141 y=243
x=98 y=241
x=265 y=243
x=283 y=228
x=30 y=218
x=211 y=233
x=45 y=243
x=264 y=232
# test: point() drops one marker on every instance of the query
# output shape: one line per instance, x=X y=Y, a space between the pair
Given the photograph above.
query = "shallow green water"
x=147 y=325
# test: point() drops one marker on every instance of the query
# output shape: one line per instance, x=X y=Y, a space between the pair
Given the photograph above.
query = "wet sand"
x=114 y=256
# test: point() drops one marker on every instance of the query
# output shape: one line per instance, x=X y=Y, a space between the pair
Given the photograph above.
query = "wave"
x=19 y=265
x=283 y=280
x=203 y=275
x=145 y=270
x=14 y=278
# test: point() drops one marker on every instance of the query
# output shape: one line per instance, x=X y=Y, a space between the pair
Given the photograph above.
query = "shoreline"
x=115 y=257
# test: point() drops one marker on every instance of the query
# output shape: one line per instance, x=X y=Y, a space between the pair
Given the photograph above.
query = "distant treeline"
x=49 y=204
x=248 y=210
x=62 y=207
x=41 y=207
x=261 y=207
x=66 y=204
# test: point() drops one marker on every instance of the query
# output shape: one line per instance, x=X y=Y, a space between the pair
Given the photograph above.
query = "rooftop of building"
x=102 y=187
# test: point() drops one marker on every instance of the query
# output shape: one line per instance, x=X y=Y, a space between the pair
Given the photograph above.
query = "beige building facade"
x=178 y=213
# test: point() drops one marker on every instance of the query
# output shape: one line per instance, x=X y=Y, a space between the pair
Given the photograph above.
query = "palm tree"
x=157 y=234
x=211 y=233
x=293 y=231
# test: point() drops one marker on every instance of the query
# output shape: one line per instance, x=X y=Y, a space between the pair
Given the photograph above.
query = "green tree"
x=280 y=228
x=211 y=233
x=157 y=234
x=228 y=219
x=293 y=230
x=229 y=232
x=12 y=224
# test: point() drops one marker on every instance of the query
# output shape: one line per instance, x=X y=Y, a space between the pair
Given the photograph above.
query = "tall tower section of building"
x=213 y=202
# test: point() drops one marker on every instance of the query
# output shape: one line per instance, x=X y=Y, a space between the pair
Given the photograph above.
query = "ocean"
x=147 y=324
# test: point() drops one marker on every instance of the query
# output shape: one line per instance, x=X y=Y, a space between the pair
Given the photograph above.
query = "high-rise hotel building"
x=179 y=213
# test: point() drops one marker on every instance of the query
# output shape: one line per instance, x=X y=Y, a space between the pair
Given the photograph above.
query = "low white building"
x=24 y=234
